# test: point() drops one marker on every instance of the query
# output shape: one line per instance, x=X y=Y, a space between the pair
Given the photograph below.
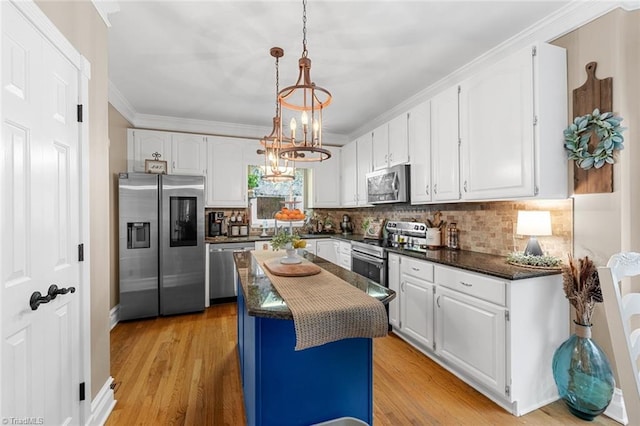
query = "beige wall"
x=605 y=224
x=82 y=26
x=118 y=126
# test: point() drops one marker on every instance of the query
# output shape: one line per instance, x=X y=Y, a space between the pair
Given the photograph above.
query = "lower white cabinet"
x=471 y=336
x=344 y=254
x=327 y=249
x=497 y=335
x=226 y=173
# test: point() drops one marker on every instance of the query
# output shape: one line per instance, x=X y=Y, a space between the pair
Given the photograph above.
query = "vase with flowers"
x=581 y=369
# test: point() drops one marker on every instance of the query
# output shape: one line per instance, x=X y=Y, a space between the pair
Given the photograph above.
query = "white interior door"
x=40 y=223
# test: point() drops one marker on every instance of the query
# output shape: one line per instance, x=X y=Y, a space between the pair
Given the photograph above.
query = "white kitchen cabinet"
x=311 y=246
x=419 y=134
x=327 y=249
x=512 y=115
x=393 y=282
x=226 y=173
x=416 y=302
x=188 y=154
x=444 y=146
x=356 y=163
x=390 y=143
x=344 y=254
x=349 y=174
x=326 y=181
x=471 y=336
x=141 y=146
x=365 y=165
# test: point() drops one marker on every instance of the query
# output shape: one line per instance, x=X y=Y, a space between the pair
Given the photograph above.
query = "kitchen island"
x=284 y=386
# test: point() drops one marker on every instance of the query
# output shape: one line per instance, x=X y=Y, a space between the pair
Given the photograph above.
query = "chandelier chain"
x=304 y=29
x=277 y=85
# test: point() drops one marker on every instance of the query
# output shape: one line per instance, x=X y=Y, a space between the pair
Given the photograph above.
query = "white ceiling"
x=209 y=60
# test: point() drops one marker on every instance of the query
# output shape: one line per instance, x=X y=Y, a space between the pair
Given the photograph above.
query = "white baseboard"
x=102 y=405
x=616 y=409
x=113 y=316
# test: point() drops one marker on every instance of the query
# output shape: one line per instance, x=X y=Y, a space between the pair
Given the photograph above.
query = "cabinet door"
x=470 y=335
x=188 y=154
x=497 y=130
x=143 y=144
x=349 y=174
x=380 y=138
x=417 y=310
x=326 y=250
x=419 y=129
x=398 y=141
x=393 y=282
x=226 y=173
x=364 y=166
x=311 y=246
x=444 y=146
x=326 y=181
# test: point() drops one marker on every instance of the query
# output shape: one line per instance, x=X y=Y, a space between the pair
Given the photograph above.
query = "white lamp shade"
x=533 y=223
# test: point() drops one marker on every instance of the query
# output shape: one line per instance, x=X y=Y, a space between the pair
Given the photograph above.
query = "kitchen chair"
x=625 y=338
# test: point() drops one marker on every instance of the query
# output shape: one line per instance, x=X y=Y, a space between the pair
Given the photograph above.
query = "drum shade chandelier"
x=309 y=100
x=277 y=169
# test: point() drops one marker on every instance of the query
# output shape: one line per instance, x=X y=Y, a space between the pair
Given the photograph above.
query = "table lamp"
x=534 y=224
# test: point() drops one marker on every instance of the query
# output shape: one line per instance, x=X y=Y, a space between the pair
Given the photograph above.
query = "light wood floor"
x=183 y=370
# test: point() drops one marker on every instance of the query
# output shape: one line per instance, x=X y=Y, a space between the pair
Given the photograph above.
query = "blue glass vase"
x=583 y=374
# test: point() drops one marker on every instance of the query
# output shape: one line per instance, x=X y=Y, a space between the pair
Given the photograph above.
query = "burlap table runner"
x=325 y=308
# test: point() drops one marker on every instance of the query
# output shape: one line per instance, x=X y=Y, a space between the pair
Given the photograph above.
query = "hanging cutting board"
x=594 y=93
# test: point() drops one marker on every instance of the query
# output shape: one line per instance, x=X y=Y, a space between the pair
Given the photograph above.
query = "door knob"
x=54 y=291
x=37 y=299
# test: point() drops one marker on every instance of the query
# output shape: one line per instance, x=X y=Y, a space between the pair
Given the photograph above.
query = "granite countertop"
x=253 y=238
x=263 y=300
x=483 y=263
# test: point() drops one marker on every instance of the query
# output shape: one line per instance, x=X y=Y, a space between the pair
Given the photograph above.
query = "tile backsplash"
x=487 y=227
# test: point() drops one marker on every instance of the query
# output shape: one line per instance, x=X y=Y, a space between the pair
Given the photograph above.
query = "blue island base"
x=282 y=386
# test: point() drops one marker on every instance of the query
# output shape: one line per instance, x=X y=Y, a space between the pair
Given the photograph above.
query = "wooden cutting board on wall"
x=594 y=93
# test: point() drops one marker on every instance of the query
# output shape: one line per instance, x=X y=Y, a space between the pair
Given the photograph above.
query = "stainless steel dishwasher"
x=222 y=283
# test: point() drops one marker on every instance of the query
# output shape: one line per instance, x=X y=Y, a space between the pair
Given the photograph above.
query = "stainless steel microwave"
x=388 y=185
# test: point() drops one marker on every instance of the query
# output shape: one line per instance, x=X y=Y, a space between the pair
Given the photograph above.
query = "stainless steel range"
x=369 y=259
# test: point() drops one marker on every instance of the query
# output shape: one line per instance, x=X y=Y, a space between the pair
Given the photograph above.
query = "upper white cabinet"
x=326 y=181
x=226 y=173
x=365 y=166
x=188 y=154
x=445 y=146
x=390 y=143
x=349 y=174
x=355 y=164
x=143 y=144
x=512 y=115
x=185 y=154
x=419 y=133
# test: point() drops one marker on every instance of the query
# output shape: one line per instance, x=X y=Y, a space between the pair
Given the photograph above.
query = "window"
x=267 y=197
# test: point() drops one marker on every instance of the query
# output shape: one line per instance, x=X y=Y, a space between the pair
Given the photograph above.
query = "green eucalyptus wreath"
x=608 y=131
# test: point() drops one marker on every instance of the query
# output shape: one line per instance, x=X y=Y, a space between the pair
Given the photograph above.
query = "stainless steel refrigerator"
x=162 y=251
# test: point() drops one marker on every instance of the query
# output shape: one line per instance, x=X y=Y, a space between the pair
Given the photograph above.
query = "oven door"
x=370 y=267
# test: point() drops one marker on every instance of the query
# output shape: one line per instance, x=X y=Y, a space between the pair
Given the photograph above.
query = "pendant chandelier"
x=276 y=169
x=307 y=100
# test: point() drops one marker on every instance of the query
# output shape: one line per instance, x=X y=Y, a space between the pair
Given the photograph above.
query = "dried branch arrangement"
x=582 y=287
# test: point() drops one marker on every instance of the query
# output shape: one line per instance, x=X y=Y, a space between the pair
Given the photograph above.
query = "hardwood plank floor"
x=183 y=370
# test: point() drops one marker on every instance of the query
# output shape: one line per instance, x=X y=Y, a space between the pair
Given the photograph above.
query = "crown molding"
x=119 y=102
x=564 y=20
x=106 y=8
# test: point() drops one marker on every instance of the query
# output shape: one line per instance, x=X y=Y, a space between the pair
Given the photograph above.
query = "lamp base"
x=533 y=247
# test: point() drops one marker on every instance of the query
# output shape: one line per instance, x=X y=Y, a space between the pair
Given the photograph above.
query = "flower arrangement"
x=545 y=261
x=609 y=132
x=582 y=287
x=282 y=238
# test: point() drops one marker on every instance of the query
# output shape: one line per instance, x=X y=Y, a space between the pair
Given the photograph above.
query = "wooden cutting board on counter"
x=303 y=269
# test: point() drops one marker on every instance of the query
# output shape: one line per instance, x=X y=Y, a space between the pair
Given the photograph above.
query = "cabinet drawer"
x=345 y=248
x=417 y=268
x=480 y=286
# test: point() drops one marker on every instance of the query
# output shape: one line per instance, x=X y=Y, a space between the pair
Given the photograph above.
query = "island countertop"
x=263 y=300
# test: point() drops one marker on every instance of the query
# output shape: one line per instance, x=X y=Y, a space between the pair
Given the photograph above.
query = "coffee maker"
x=346 y=225
x=216 y=224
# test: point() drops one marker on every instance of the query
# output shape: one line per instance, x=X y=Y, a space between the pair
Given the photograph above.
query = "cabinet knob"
x=435 y=188
x=427 y=190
